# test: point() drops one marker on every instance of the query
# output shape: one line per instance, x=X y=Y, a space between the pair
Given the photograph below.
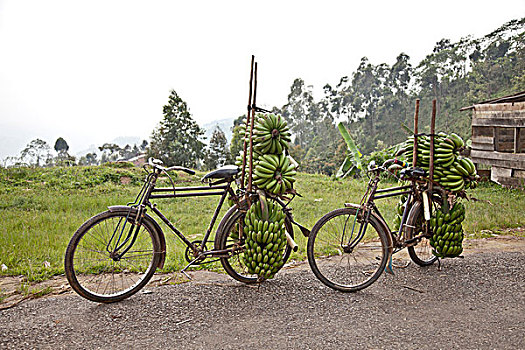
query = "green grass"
x=40 y=210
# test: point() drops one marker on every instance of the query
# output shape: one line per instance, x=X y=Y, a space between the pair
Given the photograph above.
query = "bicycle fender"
x=158 y=229
x=411 y=217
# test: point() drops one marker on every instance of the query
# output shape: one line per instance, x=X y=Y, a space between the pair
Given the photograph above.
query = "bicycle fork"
x=118 y=233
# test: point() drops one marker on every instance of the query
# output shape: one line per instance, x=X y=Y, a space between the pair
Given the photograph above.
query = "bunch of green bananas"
x=238 y=160
x=265 y=238
x=451 y=171
x=271 y=134
x=274 y=173
x=447 y=231
x=272 y=170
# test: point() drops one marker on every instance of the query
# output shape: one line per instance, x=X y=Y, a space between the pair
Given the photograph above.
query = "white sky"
x=91 y=71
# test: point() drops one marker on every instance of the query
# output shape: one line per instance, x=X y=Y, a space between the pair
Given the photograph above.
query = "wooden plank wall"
x=498 y=140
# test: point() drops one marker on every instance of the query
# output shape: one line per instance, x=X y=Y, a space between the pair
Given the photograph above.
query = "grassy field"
x=40 y=209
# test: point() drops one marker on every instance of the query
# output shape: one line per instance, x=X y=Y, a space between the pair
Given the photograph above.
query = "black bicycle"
x=349 y=248
x=115 y=253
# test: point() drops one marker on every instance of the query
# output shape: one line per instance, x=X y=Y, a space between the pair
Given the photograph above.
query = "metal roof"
x=518 y=97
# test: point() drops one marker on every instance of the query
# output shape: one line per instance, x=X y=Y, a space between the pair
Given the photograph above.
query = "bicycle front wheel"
x=97 y=265
x=341 y=257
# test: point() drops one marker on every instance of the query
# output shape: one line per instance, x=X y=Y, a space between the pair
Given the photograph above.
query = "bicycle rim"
x=94 y=274
x=421 y=253
x=347 y=270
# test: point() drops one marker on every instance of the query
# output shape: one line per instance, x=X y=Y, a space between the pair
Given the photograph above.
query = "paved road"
x=472 y=303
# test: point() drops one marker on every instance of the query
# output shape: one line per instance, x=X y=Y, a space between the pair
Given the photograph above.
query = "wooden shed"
x=498 y=138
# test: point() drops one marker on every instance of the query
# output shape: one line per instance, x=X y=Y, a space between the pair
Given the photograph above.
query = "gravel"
x=472 y=303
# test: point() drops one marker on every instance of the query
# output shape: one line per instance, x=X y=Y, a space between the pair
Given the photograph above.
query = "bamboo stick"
x=250 y=169
x=416 y=119
x=432 y=131
x=246 y=131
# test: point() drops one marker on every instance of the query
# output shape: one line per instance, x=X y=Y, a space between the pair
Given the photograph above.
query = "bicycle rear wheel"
x=94 y=269
x=340 y=257
x=421 y=253
x=229 y=237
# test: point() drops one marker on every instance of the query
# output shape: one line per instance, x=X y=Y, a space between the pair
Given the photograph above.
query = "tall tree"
x=177 y=139
x=61 y=145
x=369 y=90
x=217 y=152
x=63 y=157
x=237 y=142
x=143 y=146
x=326 y=151
x=302 y=113
x=37 y=152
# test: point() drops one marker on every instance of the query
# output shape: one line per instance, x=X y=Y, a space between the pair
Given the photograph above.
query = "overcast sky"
x=91 y=71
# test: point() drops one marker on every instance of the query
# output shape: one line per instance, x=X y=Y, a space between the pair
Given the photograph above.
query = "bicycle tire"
x=91 y=271
x=233 y=264
x=421 y=253
x=355 y=270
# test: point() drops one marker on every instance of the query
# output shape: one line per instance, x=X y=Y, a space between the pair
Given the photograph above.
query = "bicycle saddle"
x=225 y=172
x=413 y=173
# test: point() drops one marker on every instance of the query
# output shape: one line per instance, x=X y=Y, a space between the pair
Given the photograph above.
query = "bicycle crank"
x=195 y=256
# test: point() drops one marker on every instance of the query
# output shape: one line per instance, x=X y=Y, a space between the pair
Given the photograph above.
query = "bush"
x=71 y=177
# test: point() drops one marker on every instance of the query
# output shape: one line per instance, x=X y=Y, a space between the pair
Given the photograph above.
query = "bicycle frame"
x=212 y=190
x=196 y=251
x=221 y=187
x=368 y=206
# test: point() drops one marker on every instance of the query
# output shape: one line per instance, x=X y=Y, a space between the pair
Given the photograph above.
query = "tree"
x=368 y=92
x=110 y=152
x=61 y=146
x=129 y=152
x=36 y=151
x=217 y=152
x=63 y=158
x=377 y=99
x=302 y=114
x=135 y=151
x=177 y=139
x=326 y=151
x=499 y=68
x=143 y=146
x=88 y=159
x=237 y=142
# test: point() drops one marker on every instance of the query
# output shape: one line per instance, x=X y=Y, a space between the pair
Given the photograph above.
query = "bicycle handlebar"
x=156 y=163
x=394 y=161
x=385 y=166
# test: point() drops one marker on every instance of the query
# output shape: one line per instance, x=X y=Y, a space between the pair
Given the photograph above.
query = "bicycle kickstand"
x=183 y=271
x=388 y=267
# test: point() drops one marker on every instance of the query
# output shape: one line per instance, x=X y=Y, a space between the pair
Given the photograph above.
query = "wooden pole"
x=250 y=169
x=432 y=131
x=416 y=119
x=246 y=131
